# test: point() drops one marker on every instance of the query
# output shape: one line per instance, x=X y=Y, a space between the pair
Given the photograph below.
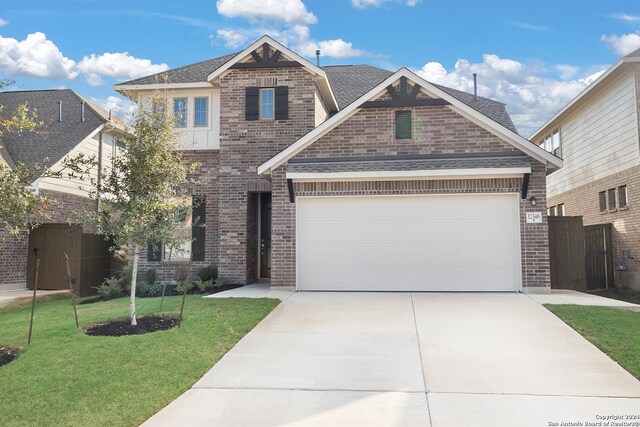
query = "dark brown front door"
x=265 y=235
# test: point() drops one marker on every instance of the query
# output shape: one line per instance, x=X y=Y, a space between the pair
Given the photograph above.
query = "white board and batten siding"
x=195 y=137
x=90 y=148
x=600 y=138
x=409 y=243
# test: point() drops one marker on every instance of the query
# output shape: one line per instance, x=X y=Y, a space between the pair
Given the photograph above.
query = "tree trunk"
x=134 y=278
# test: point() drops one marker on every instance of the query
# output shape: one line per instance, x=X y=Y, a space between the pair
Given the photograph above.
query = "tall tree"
x=145 y=195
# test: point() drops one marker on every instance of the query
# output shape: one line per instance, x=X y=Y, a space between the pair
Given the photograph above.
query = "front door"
x=265 y=235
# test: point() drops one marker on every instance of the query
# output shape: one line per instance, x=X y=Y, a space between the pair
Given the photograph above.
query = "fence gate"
x=599 y=256
x=567 y=253
x=51 y=241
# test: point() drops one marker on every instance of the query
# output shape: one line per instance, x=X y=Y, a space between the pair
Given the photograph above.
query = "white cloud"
x=624 y=44
x=3 y=22
x=531 y=96
x=626 y=17
x=35 y=56
x=364 y=4
x=528 y=26
x=119 y=65
x=337 y=48
x=233 y=39
x=121 y=107
x=286 y=11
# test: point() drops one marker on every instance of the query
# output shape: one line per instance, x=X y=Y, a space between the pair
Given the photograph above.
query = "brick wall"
x=204 y=183
x=62 y=208
x=371 y=132
x=244 y=145
x=584 y=201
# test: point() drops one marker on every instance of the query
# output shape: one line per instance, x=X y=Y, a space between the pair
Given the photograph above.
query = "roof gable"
x=432 y=91
x=59 y=137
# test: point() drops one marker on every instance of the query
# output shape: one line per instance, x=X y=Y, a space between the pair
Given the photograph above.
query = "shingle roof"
x=407 y=163
x=48 y=146
x=192 y=73
x=348 y=82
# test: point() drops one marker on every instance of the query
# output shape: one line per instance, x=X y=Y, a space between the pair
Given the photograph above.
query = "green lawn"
x=622 y=294
x=67 y=378
x=614 y=331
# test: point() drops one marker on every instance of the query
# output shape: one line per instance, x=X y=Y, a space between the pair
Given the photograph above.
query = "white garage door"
x=408 y=243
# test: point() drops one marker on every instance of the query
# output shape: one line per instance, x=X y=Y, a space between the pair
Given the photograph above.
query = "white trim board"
x=409 y=175
x=458 y=106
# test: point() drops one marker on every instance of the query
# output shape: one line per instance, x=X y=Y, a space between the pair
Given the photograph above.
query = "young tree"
x=144 y=195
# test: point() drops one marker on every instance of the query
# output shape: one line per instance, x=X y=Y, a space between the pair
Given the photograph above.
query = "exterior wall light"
x=533 y=200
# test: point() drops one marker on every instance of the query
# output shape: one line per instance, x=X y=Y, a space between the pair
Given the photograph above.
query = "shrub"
x=205 y=286
x=208 y=274
x=125 y=276
x=110 y=288
x=221 y=281
x=181 y=274
x=155 y=290
x=150 y=277
x=185 y=286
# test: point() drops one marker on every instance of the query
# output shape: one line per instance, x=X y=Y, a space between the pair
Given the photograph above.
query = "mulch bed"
x=121 y=327
x=170 y=292
x=8 y=354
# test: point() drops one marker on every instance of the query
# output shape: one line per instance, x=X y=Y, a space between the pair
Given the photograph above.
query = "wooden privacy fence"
x=90 y=260
x=581 y=257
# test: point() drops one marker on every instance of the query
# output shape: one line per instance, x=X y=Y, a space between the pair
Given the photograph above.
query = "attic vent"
x=267 y=82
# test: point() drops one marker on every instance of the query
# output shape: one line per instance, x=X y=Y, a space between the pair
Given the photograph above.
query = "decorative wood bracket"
x=292 y=195
x=403 y=98
x=266 y=59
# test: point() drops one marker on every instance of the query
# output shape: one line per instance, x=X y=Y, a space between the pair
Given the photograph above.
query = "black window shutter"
x=252 y=97
x=198 y=229
x=282 y=102
x=153 y=252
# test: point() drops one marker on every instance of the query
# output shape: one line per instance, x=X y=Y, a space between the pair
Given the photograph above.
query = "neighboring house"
x=354 y=178
x=596 y=134
x=72 y=125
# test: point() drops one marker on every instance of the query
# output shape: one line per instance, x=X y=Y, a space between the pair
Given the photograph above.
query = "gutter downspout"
x=99 y=184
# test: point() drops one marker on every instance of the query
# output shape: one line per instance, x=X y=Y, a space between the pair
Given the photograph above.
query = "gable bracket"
x=266 y=60
x=292 y=195
x=403 y=98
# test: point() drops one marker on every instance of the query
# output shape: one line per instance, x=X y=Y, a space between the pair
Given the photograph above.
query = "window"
x=552 y=211
x=180 y=112
x=612 y=199
x=560 y=209
x=622 y=196
x=158 y=106
x=267 y=104
x=603 y=201
x=551 y=143
x=200 y=112
x=182 y=252
x=403 y=124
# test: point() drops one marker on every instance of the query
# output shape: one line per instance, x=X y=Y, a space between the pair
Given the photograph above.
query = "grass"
x=68 y=378
x=622 y=294
x=616 y=332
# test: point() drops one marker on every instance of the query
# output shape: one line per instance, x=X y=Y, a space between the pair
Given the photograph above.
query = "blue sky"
x=535 y=56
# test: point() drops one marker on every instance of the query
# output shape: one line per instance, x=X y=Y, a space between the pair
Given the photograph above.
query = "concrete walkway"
x=10 y=297
x=561 y=296
x=401 y=359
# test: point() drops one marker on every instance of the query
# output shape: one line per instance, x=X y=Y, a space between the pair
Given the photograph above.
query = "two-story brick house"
x=354 y=178
x=597 y=136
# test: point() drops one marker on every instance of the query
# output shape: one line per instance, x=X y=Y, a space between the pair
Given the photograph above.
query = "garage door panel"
x=435 y=242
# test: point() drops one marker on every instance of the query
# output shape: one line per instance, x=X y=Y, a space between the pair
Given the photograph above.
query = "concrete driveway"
x=401 y=359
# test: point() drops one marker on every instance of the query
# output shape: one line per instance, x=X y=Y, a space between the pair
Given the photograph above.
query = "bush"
x=181 y=274
x=125 y=276
x=208 y=274
x=150 y=277
x=204 y=287
x=110 y=288
x=185 y=286
x=221 y=281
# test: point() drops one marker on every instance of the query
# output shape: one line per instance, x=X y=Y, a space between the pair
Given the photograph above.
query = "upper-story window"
x=267 y=104
x=200 y=112
x=180 y=111
x=551 y=143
